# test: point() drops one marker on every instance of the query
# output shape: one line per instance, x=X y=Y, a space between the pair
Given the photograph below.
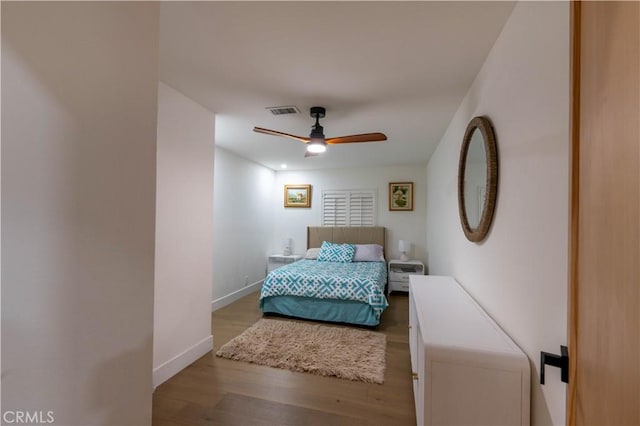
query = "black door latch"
x=561 y=361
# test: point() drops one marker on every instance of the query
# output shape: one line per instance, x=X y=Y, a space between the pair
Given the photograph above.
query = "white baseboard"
x=230 y=298
x=176 y=364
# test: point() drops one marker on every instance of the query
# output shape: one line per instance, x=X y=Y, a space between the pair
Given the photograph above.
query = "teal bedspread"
x=331 y=281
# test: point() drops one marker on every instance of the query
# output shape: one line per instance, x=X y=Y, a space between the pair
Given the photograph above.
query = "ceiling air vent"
x=282 y=110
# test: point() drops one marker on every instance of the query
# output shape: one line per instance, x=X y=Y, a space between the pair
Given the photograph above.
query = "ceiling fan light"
x=316 y=146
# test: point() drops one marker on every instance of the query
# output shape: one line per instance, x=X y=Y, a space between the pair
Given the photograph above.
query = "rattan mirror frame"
x=479 y=233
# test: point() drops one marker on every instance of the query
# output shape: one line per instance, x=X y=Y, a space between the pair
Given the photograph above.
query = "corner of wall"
x=170 y=368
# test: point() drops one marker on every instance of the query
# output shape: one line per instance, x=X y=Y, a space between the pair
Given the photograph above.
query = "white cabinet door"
x=416 y=350
x=420 y=383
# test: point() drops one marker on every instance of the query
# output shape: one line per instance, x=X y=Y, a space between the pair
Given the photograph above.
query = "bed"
x=345 y=292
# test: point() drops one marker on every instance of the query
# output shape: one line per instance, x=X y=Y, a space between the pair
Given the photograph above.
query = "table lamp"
x=404 y=247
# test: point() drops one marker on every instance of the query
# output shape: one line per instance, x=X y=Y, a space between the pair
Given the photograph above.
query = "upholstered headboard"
x=340 y=234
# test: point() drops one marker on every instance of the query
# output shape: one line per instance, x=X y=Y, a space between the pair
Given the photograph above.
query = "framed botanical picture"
x=401 y=196
x=297 y=196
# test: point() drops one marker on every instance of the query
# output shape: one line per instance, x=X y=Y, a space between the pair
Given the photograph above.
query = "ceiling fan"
x=316 y=142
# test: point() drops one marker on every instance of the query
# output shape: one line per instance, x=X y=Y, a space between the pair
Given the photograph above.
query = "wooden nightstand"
x=399 y=273
x=277 y=260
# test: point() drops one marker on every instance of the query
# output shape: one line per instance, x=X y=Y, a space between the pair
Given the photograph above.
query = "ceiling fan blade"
x=276 y=133
x=365 y=137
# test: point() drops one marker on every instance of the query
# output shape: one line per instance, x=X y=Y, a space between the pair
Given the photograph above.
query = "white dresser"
x=466 y=370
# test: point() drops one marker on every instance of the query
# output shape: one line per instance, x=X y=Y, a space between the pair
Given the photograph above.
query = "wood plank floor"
x=216 y=391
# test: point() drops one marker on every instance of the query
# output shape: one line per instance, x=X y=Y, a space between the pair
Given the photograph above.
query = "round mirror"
x=477 y=179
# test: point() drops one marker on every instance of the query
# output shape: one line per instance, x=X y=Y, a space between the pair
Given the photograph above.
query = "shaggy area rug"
x=347 y=353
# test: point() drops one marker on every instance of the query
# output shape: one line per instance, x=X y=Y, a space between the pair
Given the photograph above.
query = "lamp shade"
x=286 y=246
x=405 y=247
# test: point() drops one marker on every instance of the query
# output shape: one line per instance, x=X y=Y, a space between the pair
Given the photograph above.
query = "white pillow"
x=312 y=253
x=368 y=253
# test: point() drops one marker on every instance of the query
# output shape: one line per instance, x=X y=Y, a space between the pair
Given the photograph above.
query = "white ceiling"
x=401 y=68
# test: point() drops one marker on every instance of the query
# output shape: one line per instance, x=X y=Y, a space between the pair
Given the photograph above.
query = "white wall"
x=519 y=273
x=184 y=233
x=243 y=225
x=79 y=111
x=401 y=225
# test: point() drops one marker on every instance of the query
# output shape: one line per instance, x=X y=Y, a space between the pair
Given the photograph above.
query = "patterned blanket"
x=359 y=281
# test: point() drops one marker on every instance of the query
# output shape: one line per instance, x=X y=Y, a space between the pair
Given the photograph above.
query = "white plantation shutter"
x=334 y=208
x=349 y=208
x=362 y=208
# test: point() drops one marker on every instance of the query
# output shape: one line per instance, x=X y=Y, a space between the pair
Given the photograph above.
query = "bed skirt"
x=333 y=310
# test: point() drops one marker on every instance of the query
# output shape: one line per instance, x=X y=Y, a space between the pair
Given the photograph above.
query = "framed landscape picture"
x=297 y=196
x=401 y=196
